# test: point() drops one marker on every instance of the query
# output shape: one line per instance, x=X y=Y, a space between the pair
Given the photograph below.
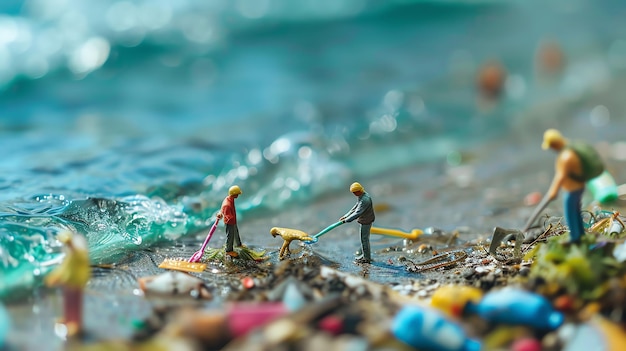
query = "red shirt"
x=228 y=210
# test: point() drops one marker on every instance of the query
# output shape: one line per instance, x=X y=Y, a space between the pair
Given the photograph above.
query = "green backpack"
x=589 y=158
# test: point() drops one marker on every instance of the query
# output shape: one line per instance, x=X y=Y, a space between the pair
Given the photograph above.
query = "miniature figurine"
x=230 y=220
x=363 y=212
x=288 y=236
x=576 y=163
x=491 y=79
x=72 y=274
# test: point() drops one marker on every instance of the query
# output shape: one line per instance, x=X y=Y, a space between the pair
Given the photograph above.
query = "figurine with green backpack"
x=576 y=163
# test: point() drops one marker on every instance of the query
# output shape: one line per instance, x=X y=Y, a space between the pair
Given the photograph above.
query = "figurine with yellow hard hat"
x=363 y=212
x=576 y=163
x=72 y=274
x=230 y=220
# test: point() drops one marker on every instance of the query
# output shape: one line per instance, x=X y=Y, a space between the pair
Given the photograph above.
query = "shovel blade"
x=501 y=233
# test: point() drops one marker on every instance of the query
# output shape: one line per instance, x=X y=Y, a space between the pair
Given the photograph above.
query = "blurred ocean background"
x=129 y=120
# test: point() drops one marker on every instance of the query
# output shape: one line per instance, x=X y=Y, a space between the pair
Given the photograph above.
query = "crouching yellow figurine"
x=72 y=274
x=288 y=236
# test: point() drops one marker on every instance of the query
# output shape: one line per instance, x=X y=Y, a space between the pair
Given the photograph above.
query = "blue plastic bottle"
x=517 y=307
x=427 y=330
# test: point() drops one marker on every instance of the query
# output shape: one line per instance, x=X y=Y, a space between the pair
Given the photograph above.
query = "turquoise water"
x=129 y=120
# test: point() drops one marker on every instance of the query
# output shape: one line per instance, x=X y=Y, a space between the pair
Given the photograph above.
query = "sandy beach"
x=486 y=189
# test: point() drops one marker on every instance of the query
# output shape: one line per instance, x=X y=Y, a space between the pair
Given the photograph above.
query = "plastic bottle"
x=517 y=307
x=603 y=188
x=452 y=299
x=427 y=330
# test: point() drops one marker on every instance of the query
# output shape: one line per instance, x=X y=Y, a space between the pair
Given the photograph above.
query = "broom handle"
x=208 y=237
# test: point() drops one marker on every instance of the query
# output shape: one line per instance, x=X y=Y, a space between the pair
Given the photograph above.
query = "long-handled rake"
x=191 y=265
x=197 y=256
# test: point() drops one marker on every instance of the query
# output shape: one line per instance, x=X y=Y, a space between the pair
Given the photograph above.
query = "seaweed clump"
x=586 y=272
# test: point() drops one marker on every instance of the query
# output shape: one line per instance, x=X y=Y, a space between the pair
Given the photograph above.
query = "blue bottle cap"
x=472 y=345
x=555 y=319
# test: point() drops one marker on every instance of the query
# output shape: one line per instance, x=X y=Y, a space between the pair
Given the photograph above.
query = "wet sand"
x=486 y=190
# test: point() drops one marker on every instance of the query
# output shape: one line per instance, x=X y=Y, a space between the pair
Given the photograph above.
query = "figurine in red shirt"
x=230 y=220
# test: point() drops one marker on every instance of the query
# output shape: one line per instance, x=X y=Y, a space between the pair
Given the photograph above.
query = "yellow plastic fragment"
x=179 y=265
x=451 y=299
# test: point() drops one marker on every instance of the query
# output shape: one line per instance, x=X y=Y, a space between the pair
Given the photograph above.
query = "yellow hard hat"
x=234 y=190
x=550 y=136
x=356 y=187
x=65 y=236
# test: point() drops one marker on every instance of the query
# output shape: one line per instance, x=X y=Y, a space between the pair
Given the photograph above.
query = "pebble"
x=524 y=271
x=526 y=344
x=468 y=273
x=331 y=324
x=550 y=341
x=293 y=298
x=247 y=282
x=351 y=343
x=533 y=198
x=482 y=270
x=566 y=331
x=282 y=331
x=550 y=58
x=491 y=79
x=318 y=341
x=488 y=281
x=564 y=303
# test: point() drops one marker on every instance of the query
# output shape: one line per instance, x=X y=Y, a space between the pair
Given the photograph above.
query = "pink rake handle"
x=198 y=254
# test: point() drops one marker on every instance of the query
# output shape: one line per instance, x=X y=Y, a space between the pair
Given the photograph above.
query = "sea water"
x=128 y=120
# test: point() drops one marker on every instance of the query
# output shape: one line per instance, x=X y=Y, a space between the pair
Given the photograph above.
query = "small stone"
x=468 y=273
x=351 y=343
x=566 y=331
x=281 y=331
x=292 y=298
x=564 y=303
x=331 y=324
x=247 y=282
x=533 y=198
x=488 y=281
x=550 y=341
x=526 y=344
x=481 y=270
x=524 y=271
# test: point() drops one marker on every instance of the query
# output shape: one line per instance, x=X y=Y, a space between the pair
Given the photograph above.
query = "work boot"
x=232 y=254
